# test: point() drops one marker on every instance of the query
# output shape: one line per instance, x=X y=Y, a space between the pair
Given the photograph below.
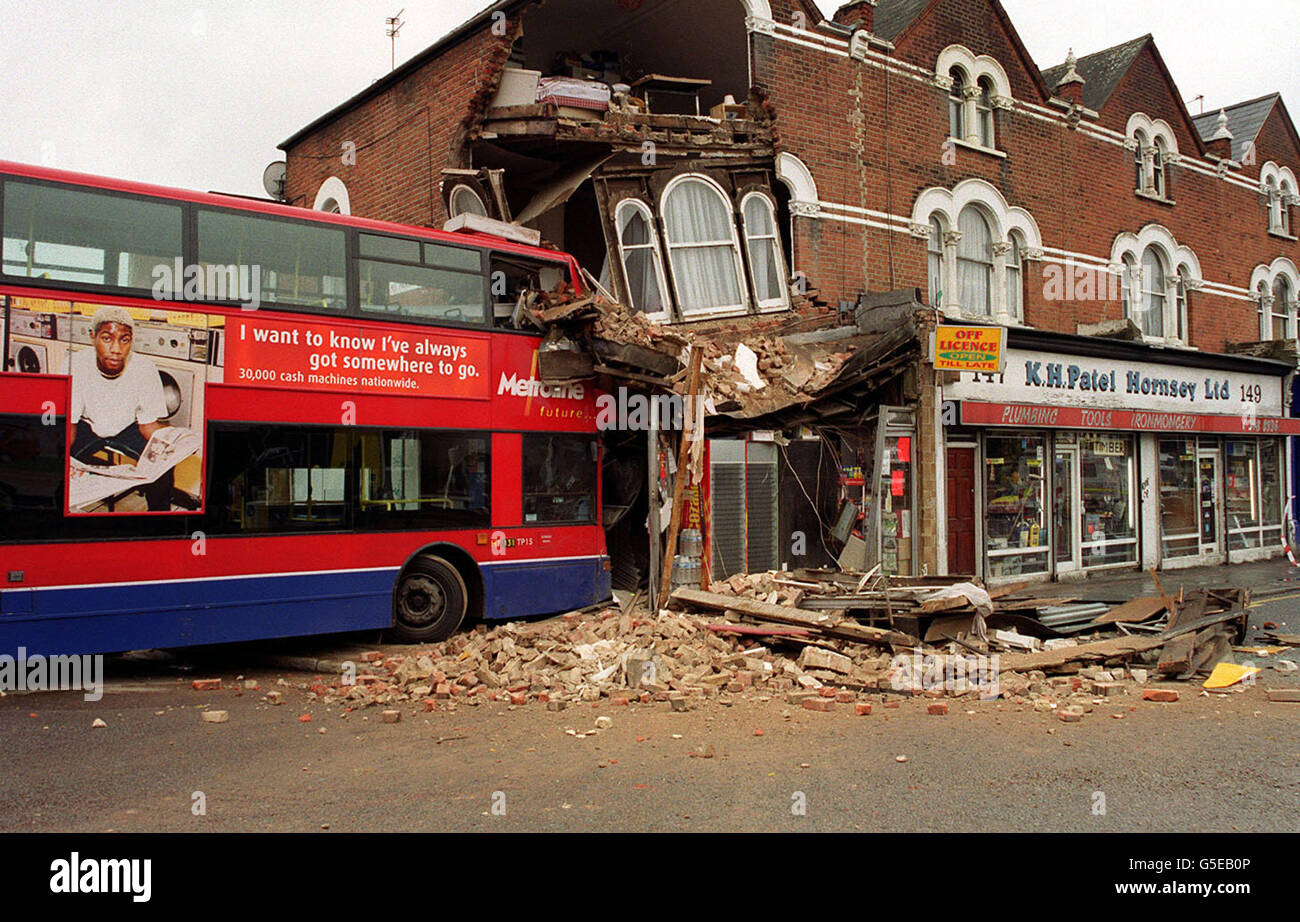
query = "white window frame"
x=783 y=302
x=661 y=280
x=455 y=210
x=958 y=117
x=742 y=285
x=1014 y=277
x=936 y=261
x=984 y=114
x=987 y=267
x=1283 y=308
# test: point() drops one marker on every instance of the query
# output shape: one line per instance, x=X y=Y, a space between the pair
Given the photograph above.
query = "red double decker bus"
x=224 y=419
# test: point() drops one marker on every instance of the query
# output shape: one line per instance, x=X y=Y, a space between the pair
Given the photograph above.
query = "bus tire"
x=430 y=601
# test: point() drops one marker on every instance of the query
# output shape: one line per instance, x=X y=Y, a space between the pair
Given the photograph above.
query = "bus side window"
x=513 y=277
x=559 y=475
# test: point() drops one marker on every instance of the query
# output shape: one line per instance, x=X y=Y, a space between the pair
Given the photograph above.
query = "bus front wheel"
x=431 y=601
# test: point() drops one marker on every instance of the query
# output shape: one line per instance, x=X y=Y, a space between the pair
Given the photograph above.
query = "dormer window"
x=1155 y=150
x=1159 y=156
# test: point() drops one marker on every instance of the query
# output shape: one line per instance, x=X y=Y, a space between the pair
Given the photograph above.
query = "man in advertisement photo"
x=118 y=401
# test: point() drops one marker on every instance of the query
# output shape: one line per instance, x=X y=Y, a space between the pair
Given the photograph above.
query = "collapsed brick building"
x=737 y=169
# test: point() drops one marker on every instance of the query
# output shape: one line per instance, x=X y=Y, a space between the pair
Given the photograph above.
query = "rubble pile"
x=606 y=655
x=749 y=636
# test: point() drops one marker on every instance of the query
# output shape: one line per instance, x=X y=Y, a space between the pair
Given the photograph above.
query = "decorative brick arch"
x=1177 y=256
x=333 y=190
x=799 y=180
x=1005 y=218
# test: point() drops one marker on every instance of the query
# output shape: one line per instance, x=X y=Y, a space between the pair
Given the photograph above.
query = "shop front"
x=1091 y=455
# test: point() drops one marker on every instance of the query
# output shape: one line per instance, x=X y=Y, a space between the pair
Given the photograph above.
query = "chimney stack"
x=1220 y=143
x=1070 y=87
x=857 y=14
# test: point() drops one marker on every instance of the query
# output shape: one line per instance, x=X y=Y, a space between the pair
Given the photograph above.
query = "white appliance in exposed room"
x=33 y=345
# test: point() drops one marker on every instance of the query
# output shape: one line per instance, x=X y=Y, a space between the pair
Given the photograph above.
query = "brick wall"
x=874 y=140
x=404 y=136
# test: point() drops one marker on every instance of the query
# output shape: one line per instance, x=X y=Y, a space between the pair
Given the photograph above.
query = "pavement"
x=1263 y=578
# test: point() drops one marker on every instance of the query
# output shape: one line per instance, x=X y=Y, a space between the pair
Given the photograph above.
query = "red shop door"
x=961 y=511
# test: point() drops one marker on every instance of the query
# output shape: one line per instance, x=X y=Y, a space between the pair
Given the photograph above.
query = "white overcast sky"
x=198 y=94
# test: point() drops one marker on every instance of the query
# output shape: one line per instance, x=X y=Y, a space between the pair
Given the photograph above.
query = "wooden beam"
x=679 y=482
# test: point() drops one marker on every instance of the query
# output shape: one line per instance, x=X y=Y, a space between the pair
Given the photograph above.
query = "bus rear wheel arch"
x=430 y=600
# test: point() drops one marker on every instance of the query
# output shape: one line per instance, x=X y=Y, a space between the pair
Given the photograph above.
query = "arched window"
x=1158 y=173
x=1284 y=208
x=975 y=262
x=957 y=104
x=766 y=265
x=702 y=247
x=1262 y=298
x=465 y=200
x=1139 y=159
x=1128 y=282
x=984 y=112
x=1181 y=298
x=1283 y=309
x=1015 y=279
x=938 y=284
x=1155 y=293
x=638 y=247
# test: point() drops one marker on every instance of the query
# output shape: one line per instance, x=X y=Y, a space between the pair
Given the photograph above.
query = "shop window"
x=702 y=248
x=1242 y=494
x=896 y=525
x=1272 y=464
x=1179 y=495
x=1108 y=502
x=559 y=479
x=1014 y=505
x=639 y=250
x=975 y=262
x=766 y=264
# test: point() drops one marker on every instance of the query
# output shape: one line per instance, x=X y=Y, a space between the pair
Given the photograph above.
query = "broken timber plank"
x=783 y=614
x=1009 y=589
x=934 y=606
x=1101 y=650
x=1029 y=604
x=1134 y=611
x=1286 y=640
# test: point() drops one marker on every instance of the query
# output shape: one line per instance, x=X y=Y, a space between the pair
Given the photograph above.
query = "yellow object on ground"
x=1228 y=674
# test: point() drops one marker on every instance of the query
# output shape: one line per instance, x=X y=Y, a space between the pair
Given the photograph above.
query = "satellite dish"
x=273 y=179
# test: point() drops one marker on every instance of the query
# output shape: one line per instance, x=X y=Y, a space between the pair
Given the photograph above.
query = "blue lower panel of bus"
x=137 y=616
x=542 y=588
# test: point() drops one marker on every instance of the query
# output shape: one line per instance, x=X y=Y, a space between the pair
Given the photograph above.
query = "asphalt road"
x=1214 y=764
